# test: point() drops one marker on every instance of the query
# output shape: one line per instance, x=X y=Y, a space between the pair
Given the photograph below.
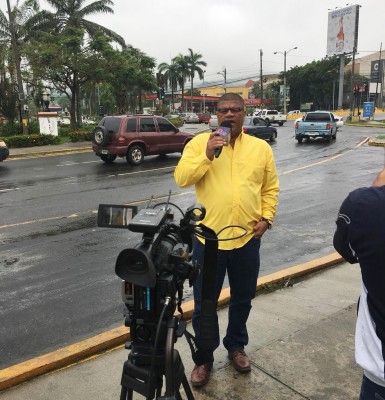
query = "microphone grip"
x=218 y=151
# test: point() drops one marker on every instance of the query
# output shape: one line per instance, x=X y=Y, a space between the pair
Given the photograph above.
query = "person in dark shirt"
x=360 y=237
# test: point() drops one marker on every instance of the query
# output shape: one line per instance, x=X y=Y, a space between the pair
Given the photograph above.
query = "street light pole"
x=284 y=75
x=224 y=74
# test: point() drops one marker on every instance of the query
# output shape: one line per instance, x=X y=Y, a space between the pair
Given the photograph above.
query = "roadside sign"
x=368 y=109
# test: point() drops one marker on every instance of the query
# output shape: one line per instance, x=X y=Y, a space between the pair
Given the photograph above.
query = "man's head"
x=231 y=107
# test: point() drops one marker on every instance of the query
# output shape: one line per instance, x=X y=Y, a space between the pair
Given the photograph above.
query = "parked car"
x=258 y=127
x=189 y=118
x=135 y=136
x=172 y=116
x=64 y=121
x=213 y=123
x=294 y=112
x=88 y=121
x=204 y=117
x=273 y=117
x=339 y=119
x=4 y=151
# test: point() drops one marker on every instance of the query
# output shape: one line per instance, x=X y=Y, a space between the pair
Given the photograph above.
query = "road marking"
x=9 y=190
x=75 y=215
x=147 y=170
x=325 y=160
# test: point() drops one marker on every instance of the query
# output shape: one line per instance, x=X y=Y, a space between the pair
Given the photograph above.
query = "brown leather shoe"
x=240 y=361
x=200 y=374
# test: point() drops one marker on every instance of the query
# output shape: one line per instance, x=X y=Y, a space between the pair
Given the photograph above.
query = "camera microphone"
x=223 y=130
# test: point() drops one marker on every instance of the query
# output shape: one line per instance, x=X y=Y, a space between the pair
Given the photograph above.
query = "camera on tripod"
x=153 y=270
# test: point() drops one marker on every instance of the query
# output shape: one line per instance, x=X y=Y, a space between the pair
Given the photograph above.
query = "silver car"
x=213 y=123
x=190 y=118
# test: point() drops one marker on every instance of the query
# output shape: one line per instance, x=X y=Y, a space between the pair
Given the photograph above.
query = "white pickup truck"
x=273 y=117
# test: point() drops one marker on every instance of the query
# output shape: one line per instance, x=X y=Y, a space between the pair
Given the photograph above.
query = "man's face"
x=231 y=111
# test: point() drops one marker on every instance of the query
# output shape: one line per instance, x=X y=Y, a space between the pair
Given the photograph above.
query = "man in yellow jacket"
x=237 y=183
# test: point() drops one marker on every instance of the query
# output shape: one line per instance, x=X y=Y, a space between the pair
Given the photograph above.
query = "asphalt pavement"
x=301 y=346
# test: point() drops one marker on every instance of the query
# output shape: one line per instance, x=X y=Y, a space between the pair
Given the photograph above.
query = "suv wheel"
x=135 y=155
x=107 y=158
x=101 y=136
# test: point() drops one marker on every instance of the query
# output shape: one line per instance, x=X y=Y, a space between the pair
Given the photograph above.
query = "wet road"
x=57 y=281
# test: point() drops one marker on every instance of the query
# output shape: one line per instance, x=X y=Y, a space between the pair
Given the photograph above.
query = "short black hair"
x=231 y=97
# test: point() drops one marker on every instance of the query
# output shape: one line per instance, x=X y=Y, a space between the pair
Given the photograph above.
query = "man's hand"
x=260 y=228
x=213 y=143
x=380 y=180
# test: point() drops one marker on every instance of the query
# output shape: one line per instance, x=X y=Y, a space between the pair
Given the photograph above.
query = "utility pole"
x=224 y=74
x=261 y=76
x=16 y=56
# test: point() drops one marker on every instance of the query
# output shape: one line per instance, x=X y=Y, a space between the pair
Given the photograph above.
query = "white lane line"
x=9 y=190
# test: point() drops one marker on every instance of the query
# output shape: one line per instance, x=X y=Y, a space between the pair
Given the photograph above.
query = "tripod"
x=140 y=376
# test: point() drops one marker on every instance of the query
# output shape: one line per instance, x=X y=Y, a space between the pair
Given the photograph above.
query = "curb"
x=50 y=153
x=114 y=338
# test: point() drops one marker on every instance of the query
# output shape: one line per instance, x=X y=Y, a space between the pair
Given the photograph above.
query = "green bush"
x=178 y=122
x=31 y=140
x=64 y=130
x=11 y=128
x=80 y=135
x=33 y=127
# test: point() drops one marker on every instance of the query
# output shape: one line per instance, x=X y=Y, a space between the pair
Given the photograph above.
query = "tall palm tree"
x=182 y=71
x=74 y=13
x=12 y=32
x=194 y=64
x=170 y=72
x=71 y=15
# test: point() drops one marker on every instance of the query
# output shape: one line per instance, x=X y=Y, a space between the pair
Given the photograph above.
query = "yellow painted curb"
x=49 y=153
x=77 y=352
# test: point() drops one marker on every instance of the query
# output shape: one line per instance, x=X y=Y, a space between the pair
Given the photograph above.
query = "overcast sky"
x=230 y=33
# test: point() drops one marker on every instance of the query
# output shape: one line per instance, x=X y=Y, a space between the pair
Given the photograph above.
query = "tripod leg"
x=187 y=388
x=126 y=394
x=169 y=358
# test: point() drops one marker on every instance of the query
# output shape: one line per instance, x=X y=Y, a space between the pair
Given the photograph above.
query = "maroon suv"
x=135 y=136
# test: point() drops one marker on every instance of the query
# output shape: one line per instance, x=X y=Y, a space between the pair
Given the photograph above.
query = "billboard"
x=342 y=30
x=377 y=71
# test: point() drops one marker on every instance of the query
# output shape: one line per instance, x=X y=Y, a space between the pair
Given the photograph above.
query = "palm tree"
x=194 y=63
x=12 y=32
x=170 y=72
x=182 y=71
x=73 y=13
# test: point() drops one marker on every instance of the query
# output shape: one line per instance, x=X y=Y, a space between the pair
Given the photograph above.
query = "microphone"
x=223 y=130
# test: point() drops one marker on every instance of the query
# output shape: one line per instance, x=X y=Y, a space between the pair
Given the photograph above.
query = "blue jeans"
x=242 y=266
x=371 y=391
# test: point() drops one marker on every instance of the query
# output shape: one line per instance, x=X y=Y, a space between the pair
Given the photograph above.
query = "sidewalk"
x=301 y=347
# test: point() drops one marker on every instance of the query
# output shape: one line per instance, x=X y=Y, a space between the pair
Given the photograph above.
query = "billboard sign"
x=377 y=71
x=342 y=31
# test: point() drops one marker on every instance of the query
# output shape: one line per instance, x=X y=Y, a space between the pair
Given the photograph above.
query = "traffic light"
x=101 y=110
x=162 y=93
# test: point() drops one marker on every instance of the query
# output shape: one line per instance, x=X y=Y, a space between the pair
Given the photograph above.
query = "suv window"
x=131 y=125
x=147 y=125
x=111 y=124
x=165 y=126
x=272 y=112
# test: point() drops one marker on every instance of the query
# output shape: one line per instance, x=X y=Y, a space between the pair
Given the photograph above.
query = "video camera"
x=154 y=270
